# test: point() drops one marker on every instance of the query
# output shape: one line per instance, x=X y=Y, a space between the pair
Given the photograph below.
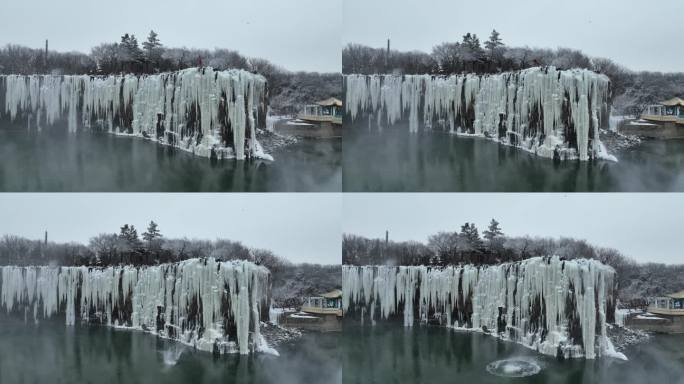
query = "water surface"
x=390 y=353
x=56 y=354
x=84 y=162
x=396 y=160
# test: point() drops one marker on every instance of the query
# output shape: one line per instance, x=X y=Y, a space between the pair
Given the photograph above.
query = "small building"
x=669 y=111
x=670 y=305
x=319 y=313
x=664 y=120
x=664 y=315
x=324 y=304
x=328 y=110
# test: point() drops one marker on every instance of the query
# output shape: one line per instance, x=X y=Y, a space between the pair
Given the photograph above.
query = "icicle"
x=192 y=109
x=532 y=302
x=185 y=301
x=541 y=110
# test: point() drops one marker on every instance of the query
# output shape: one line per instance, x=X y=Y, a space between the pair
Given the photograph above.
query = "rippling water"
x=390 y=353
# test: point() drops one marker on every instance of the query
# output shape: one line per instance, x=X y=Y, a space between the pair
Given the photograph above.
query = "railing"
x=664 y=118
x=322 y=311
x=321 y=118
x=666 y=311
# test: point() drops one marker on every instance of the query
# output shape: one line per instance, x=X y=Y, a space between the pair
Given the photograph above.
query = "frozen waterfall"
x=546 y=111
x=554 y=306
x=207 y=304
x=199 y=110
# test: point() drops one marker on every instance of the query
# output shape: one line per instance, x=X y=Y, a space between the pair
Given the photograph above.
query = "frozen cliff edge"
x=206 y=112
x=207 y=304
x=555 y=307
x=552 y=113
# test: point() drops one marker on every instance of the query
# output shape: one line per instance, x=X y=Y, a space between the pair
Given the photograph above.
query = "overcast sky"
x=639 y=34
x=647 y=227
x=298 y=35
x=302 y=227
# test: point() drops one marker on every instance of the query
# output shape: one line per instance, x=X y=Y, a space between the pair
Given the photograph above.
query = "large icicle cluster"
x=206 y=112
x=210 y=305
x=553 y=306
x=546 y=111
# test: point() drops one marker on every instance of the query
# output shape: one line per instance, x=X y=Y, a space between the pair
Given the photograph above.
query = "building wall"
x=662 y=131
x=669 y=324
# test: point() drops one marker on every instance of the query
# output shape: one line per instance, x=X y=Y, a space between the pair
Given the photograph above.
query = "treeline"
x=631 y=91
x=289 y=90
x=293 y=283
x=636 y=281
x=467 y=246
x=128 y=247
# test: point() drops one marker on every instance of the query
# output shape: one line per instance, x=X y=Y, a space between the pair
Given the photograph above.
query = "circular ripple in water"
x=513 y=368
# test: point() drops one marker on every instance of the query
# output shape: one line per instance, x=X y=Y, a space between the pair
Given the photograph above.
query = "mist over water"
x=395 y=160
x=53 y=353
x=60 y=162
x=390 y=353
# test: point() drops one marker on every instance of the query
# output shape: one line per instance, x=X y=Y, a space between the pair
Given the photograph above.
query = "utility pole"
x=386 y=238
x=45 y=237
x=45 y=59
x=387 y=55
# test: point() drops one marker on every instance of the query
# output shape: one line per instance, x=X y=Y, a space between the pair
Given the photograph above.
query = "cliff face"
x=206 y=112
x=553 y=306
x=210 y=305
x=546 y=111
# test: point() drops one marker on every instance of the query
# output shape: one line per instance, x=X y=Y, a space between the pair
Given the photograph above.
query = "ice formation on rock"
x=199 y=110
x=554 y=306
x=210 y=305
x=545 y=111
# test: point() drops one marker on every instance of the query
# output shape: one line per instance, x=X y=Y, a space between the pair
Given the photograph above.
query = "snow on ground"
x=302 y=315
x=649 y=316
x=641 y=122
x=299 y=122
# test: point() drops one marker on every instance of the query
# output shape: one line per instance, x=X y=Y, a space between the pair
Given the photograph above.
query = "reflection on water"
x=53 y=353
x=56 y=161
x=395 y=160
x=390 y=353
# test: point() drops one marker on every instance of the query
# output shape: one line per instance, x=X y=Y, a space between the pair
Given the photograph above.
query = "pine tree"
x=152 y=232
x=494 y=46
x=153 y=49
x=130 y=52
x=471 y=51
x=494 y=41
x=493 y=231
x=134 y=49
x=470 y=233
x=130 y=235
x=494 y=237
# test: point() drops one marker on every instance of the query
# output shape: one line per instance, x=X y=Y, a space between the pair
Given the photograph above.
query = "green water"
x=391 y=353
x=56 y=354
x=395 y=160
x=60 y=162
